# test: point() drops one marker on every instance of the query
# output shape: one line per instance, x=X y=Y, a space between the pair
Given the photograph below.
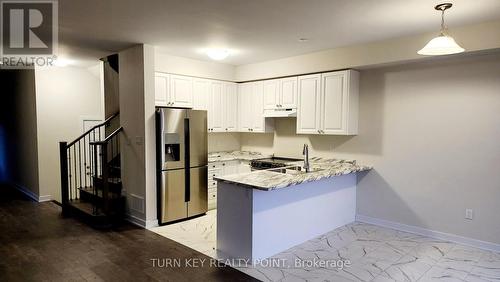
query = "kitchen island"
x=265 y=212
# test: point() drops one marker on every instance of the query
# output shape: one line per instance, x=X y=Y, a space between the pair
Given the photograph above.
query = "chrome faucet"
x=305 y=152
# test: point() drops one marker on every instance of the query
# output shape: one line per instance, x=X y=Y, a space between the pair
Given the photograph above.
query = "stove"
x=273 y=162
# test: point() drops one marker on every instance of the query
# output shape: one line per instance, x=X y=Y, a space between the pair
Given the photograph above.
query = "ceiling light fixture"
x=443 y=44
x=217 y=54
x=61 y=62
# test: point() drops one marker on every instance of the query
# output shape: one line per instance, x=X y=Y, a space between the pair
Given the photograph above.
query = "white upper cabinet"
x=280 y=93
x=328 y=103
x=245 y=106
x=271 y=94
x=288 y=93
x=258 y=121
x=201 y=94
x=161 y=89
x=230 y=104
x=308 y=112
x=216 y=110
x=181 y=91
x=173 y=90
x=251 y=108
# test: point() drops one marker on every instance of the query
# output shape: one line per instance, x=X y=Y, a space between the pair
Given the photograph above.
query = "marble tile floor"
x=375 y=254
x=197 y=233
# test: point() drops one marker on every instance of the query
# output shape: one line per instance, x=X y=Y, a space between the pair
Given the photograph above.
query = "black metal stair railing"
x=107 y=156
x=86 y=158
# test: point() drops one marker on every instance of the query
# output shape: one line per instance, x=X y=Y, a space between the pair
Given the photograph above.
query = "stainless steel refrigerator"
x=182 y=157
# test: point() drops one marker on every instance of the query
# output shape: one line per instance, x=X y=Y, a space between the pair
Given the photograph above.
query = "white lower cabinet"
x=220 y=169
x=328 y=103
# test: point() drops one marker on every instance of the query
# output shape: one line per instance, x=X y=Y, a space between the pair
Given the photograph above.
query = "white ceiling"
x=255 y=30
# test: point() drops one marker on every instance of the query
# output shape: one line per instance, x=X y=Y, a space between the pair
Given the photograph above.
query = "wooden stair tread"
x=85 y=207
x=99 y=192
x=114 y=180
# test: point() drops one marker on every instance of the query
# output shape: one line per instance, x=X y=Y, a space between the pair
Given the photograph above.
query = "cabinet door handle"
x=319 y=131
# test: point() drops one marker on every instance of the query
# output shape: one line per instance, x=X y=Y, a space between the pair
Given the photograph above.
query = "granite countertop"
x=235 y=155
x=320 y=169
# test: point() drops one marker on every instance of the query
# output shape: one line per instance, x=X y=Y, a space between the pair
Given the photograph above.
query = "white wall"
x=63 y=96
x=185 y=66
x=431 y=131
x=478 y=37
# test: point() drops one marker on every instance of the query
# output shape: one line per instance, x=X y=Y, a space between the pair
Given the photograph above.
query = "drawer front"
x=213 y=173
x=212 y=195
x=219 y=165
x=212 y=184
x=216 y=165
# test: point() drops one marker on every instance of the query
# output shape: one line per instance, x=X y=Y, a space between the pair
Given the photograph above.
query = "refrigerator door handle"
x=187 y=191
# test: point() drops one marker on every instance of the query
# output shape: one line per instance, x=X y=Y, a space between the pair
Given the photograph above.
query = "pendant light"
x=443 y=44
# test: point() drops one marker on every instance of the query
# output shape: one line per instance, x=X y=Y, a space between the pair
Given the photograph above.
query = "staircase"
x=91 y=186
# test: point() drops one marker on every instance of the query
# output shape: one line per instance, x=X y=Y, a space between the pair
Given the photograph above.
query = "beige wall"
x=136 y=86
x=431 y=131
x=18 y=130
x=63 y=96
x=185 y=66
x=223 y=142
x=478 y=37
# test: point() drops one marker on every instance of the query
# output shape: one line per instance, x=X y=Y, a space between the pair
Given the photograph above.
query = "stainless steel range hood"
x=280 y=113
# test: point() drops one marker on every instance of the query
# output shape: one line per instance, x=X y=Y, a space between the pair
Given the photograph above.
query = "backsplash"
x=223 y=142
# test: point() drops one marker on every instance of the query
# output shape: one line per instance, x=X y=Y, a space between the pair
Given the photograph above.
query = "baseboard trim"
x=45 y=198
x=430 y=233
x=33 y=196
x=147 y=224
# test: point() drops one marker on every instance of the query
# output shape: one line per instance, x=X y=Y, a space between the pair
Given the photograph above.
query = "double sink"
x=293 y=170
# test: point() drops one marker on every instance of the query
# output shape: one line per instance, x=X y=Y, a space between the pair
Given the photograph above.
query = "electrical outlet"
x=469 y=214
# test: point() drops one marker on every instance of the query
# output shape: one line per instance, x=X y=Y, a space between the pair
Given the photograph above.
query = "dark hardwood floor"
x=37 y=244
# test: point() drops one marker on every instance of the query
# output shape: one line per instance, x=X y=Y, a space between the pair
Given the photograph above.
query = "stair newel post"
x=105 y=176
x=95 y=176
x=63 y=159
